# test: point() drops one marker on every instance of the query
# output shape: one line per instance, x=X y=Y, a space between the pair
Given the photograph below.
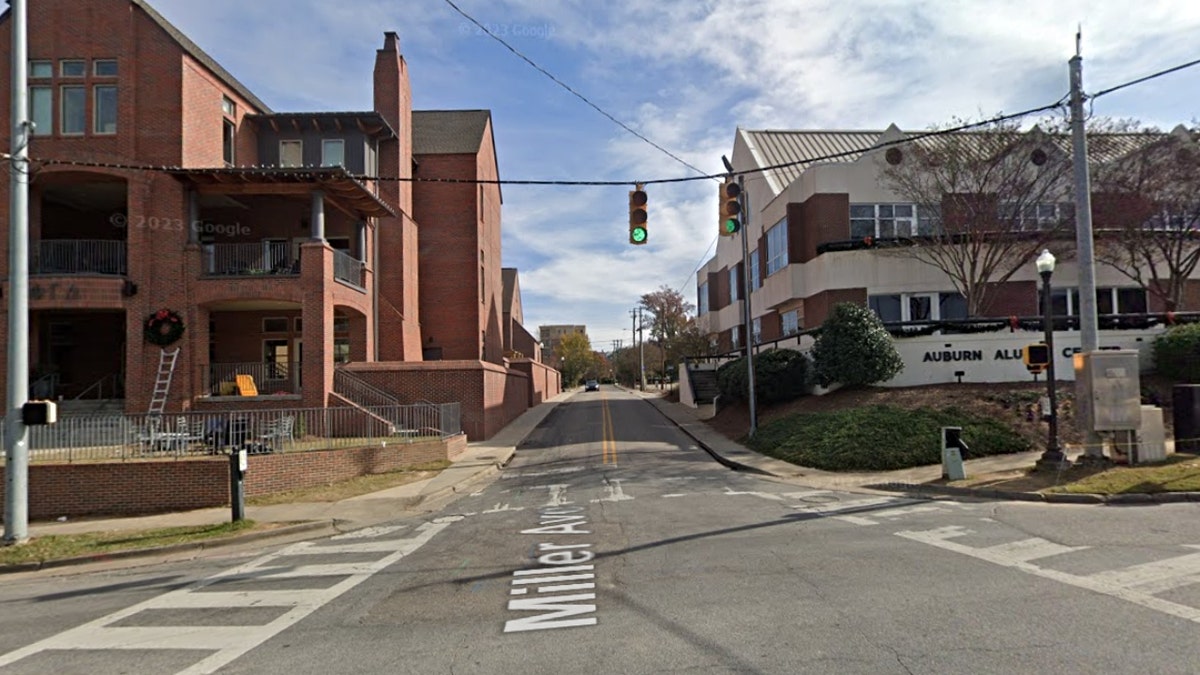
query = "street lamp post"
x=1053 y=457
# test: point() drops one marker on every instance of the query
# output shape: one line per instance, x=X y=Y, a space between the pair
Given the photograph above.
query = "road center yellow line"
x=608 y=443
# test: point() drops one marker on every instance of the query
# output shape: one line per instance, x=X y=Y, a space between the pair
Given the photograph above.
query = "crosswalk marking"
x=1152 y=573
x=1031 y=549
x=229 y=642
x=1106 y=583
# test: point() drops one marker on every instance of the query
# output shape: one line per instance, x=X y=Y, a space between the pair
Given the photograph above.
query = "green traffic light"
x=638 y=235
x=731 y=226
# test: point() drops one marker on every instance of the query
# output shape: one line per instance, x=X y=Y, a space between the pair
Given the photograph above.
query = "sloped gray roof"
x=448 y=132
x=773 y=147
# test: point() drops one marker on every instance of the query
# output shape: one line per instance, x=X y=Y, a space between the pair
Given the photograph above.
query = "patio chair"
x=278 y=431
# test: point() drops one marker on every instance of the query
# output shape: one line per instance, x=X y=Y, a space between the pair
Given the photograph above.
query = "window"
x=702 y=299
x=777 y=245
x=41 y=69
x=1170 y=220
x=904 y=307
x=1065 y=302
x=291 y=153
x=341 y=324
x=229 y=142
x=333 y=152
x=885 y=221
x=228 y=107
x=1040 y=216
x=104 y=109
x=105 y=68
x=756 y=332
x=72 y=68
x=755 y=282
x=733 y=284
x=73 y=120
x=791 y=322
x=341 y=350
x=735 y=337
x=41 y=110
x=276 y=324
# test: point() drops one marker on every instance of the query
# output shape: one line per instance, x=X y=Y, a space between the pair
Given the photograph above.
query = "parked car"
x=591 y=385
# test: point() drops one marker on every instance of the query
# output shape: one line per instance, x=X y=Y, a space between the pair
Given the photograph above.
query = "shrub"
x=854 y=348
x=1177 y=353
x=866 y=439
x=779 y=375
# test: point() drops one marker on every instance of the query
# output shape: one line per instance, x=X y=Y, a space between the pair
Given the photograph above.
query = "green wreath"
x=163 y=328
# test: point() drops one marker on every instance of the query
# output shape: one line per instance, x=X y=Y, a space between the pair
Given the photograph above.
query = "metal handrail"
x=257 y=258
x=78 y=256
x=347 y=268
x=358 y=390
x=99 y=386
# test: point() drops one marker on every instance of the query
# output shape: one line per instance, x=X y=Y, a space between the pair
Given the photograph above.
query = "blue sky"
x=686 y=74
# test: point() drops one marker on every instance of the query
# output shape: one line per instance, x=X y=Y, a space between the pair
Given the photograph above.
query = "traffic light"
x=637 y=215
x=731 y=208
x=1037 y=357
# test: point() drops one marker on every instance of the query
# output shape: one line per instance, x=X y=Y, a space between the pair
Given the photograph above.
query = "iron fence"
x=269 y=378
x=78 y=256
x=166 y=436
x=347 y=268
x=266 y=257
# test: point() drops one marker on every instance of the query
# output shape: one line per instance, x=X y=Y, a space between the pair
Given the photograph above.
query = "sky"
x=686 y=74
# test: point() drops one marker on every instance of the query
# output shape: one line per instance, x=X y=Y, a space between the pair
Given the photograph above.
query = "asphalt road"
x=611 y=544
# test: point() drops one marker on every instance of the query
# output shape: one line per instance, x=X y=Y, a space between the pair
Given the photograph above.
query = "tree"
x=1147 y=204
x=668 y=323
x=575 y=358
x=854 y=348
x=987 y=202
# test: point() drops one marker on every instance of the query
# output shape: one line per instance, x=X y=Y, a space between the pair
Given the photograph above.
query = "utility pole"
x=16 y=448
x=633 y=315
x=1088 y=322
x=641 y=349
x=746 y=316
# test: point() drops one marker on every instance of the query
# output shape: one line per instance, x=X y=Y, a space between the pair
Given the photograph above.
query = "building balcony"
x=349 y=269
x=253 y=259
x=78 y=256
x=233 y=379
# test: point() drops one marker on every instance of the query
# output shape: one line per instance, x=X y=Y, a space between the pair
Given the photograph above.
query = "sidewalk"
x=483 y=459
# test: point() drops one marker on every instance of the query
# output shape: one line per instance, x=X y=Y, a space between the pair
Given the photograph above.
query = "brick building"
x=266 y=233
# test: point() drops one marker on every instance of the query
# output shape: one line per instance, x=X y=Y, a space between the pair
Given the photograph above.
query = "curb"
x=1049 y=498
x=463 y=485
x=724 y=461
x=218 y=542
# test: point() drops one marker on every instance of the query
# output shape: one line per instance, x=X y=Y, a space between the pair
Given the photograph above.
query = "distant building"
x=552 y=335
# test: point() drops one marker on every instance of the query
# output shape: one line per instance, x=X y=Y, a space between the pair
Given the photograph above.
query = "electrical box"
x=38 y=413
x=1109 y=390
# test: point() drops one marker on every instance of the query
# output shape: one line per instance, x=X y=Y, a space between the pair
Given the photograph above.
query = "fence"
x=347 y=268
x=78 y=256
x=269 y=378
x=267 y=257
x=130 y=437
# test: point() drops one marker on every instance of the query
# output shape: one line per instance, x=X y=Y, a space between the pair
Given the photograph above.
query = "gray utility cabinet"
x=1109 y=390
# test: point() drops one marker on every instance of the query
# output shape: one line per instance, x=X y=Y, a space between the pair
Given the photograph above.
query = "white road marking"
x=1153 y=573
x=675 y=494
x=730 y=492
x=227 y=642
x=538 y=474
x=369 y=532
x=615 y=493
x=886 y=515
x=1031 y=549
x=1100 y=583
x=557 y=494
x=498 y=508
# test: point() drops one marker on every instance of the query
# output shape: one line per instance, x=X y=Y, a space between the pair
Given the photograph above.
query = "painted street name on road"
x=563 y=588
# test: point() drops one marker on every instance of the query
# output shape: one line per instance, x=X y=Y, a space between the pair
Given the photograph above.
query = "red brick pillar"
x=316 y=368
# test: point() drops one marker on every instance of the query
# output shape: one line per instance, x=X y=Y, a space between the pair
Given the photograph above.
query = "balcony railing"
x=269 y=378
x=347 y=268
x=78 y=256
x=267 y=257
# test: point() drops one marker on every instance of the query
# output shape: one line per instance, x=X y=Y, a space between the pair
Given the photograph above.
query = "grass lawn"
x=1180 y=473
x=58 y=547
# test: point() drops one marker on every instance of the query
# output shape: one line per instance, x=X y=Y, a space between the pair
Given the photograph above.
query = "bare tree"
x=1147 y=206
x=987 y=201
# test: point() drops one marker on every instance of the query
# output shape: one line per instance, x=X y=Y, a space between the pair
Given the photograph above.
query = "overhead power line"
x=564 y=85
x=267 y=171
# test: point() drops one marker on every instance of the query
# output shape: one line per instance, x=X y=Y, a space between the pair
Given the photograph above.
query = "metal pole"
x=746 y=318
x=16 y=449
x=1052 y=458
x=641 y=349
x=1088 y=322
